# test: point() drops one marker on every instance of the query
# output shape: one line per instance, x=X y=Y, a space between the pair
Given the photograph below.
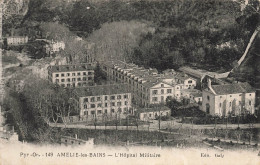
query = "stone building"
x=233 y=99
x=77 y=75
x=146 y=85
x=104 y=99
x=16 y=40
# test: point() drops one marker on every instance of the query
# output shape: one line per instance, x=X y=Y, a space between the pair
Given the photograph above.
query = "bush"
x=188 y=112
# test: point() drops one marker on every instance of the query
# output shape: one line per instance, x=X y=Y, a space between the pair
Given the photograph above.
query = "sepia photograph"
x=129 y=82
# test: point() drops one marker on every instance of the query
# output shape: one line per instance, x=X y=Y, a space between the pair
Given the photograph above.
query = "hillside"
x=250 y=68
x=211 y=34
x=189 y=31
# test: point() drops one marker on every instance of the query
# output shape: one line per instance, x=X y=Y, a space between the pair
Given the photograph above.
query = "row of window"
x=132 y=82
x=73 y=74
x=98 y=112
x=231 y=95
x=74 y=84
x=162 y=98
x=150 y=115
x=113 y=104
x=98 y=98
x=230 y=103
x=74 y=79
x=155 y=92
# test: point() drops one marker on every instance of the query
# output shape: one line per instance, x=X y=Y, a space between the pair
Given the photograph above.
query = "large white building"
x=17 y=40
x=71 y=75
x=103 y=99
x=233 y=99
x=146 y=85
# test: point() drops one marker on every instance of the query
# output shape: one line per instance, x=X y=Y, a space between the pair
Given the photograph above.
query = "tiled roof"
x=101 y=90
x=232 y=88
x=150 y=84
x=154 y=82
x=68 y=68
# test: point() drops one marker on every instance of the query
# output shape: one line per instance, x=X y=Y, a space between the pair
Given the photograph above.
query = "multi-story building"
x=104 y=99
x=156 y=92
x=16 y=40
x=188 y=82
x=55 y=46
x=233 y=99
x=146 y=85
x=71 y=75
x=178 y=94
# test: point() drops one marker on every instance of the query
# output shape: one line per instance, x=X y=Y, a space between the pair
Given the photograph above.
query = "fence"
x=94 y=119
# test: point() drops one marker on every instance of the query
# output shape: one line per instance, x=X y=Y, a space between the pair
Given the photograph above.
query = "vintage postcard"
x=129 y=82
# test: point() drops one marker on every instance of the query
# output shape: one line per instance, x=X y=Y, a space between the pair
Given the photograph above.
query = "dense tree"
x=40 y=103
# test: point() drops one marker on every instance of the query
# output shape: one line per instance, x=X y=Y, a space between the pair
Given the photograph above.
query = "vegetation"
x=32 y=109
x=117 y=40
x=99 y=77
x=183 y=34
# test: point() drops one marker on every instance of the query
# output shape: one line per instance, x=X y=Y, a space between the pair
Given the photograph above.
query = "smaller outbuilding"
x=146 y=114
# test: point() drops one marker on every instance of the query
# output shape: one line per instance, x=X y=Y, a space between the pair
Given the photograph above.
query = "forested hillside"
x=210 y=34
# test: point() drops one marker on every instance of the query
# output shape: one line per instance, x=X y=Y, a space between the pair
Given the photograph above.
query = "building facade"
x=54 y=47
x=193 y=95
x=228 y=99
x=188 y=82
x=17 y=40
x=103 y=100
x=147 y=114
x=146 y=85
x=71 y=75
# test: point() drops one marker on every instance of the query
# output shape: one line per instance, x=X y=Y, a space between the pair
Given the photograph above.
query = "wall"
x=211 y=102
x=188 y=85
x=145 y=116
x=105 y=102
x=71 y=77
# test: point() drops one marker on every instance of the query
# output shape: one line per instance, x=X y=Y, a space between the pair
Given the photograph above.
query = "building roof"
x=193 y=72
x=68 y=68
x=197 y=94
x=167 y=76
x=169 y=71
x=232 y=88
x=182 y=77
x=151 y=83
x=101 y=90
x=164 y=108
x=154 y=82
